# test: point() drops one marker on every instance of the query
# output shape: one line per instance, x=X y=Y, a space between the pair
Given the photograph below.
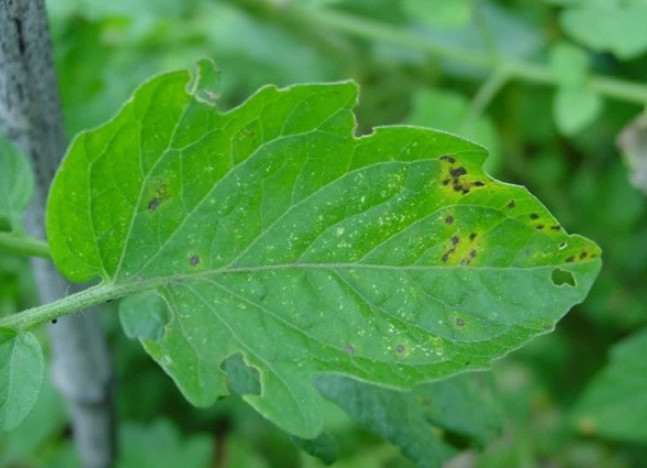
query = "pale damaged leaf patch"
x=272 y=233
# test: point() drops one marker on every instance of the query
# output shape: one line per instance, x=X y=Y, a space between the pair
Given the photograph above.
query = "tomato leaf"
x=273 y=232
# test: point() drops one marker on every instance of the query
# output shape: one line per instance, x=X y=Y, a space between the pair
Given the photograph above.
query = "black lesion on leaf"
x=446 y=181
x=455 y=240
x=460 y=322
x=153 y=204
x=583 y=255
x=400 y=349
x=195 y=260
x=459 y=171
x=473 y=253
x=540 y=226
x=478 y=183
x=472 y=236
x=449 y=219
x=447 y=158
x=349 y=350
x=556 y=227
x=511 y=204
x=570 y=259
x=534 y=216
x=446 y=255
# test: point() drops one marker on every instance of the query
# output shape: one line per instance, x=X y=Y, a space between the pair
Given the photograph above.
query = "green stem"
x=92 y=296
x=486 y=93
x=610 y=87
x=24 y=245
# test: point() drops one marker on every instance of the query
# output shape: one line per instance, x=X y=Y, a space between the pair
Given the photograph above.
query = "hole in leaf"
x=561 y=277
x=241 y=378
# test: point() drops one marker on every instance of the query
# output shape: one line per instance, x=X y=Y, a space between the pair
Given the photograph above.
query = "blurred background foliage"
x=546 y=85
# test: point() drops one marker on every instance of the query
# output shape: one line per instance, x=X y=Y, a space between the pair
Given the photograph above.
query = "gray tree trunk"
x=31 y=118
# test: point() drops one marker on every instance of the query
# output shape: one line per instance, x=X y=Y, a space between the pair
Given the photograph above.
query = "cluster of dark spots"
x=570 y=259
x=460 y=322
x=349 y=350
x=161 y=194
x=447 y=158
x=455 y=240
x=472 y=236
x=534 y=216
x=449 y=219
x=194 y=260
x=400 y=349
x=511 y=204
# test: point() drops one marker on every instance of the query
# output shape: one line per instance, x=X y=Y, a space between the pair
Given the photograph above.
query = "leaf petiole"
x=23 y=244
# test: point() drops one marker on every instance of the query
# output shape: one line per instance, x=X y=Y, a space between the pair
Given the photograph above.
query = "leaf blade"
x=272 y=231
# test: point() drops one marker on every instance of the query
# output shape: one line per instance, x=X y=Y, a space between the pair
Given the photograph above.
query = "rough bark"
x=31 y=118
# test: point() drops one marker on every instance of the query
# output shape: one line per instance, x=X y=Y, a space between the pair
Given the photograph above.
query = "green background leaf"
x=617 y=28
x=21 y=374
x=614 y=404
x=425 y=423
x=16 y=186
x=272 y=231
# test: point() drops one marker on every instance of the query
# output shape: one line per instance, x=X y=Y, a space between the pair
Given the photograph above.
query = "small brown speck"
x=400 y=349
x=473 y=254
x=478 y=183
x=153 y=204
x=349 y=350
x=472 y=236
x=460 y=322
x=194 y=260
x=570 y=259
x=449 y=219
x=556 y=227
x=583 y=255
x=511 y=204
x=540 y=226
x=455 y=240
x=446 y=181
x=534 y=216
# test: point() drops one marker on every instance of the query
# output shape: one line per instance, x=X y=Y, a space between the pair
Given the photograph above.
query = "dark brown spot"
x=153 y=204
x=400 y=349
x=534 y=216
x=349 y=350
x=473 y=254
x=54 y=321
x=459 y=171
x=511 y=204
x=447 y=158
x=540 y=226
x=449 y=219
x=446 y=181
x=570 y=259
x=472 y=236
x=556 y=227
x=583 y=255
x=455 y=240
x=478 y=183
x=460 y=322
x=194 y=260
x=445 y=257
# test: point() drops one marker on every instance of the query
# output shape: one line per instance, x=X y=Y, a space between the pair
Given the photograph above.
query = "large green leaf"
x=615 y=402
x=272 y=231
x=21 y=374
